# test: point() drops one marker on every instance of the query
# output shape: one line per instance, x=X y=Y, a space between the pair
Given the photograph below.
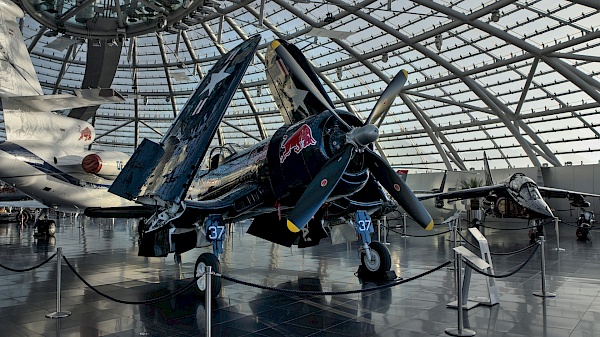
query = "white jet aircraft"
x=44 y=155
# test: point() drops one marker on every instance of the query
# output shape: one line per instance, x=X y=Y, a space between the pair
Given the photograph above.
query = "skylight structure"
x=516 y=79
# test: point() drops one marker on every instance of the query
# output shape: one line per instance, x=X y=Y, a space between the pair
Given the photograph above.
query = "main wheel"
x=23 y=216
x=380 y=261
x=582 y=233
x=45 y=227
x=51 y=228
x=207 y=259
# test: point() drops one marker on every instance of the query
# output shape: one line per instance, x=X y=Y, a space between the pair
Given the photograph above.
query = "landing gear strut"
x=536 y=230
x=374 y=256
x=215 y=233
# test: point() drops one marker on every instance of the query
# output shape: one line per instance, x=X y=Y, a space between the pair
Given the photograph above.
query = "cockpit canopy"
x=219 y=153
x=524 y=186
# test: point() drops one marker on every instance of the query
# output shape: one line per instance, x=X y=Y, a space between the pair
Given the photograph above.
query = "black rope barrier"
x=507 y=274
x=333 y=293
x=575 y=225
x=417 y=236
x=150 y=301
x=28 y=269
x=507 y=253
x=571 y=224
x=504 y=229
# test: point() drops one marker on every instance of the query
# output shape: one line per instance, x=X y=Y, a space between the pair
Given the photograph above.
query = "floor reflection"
x=104 y=252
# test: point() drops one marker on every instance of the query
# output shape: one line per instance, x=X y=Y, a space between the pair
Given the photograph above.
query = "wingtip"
x=429 y=226
x=292 y=227
x=275 y=44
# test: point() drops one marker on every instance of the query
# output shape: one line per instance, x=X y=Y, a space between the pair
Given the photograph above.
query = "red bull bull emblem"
x=85 y=134
x=300 y=140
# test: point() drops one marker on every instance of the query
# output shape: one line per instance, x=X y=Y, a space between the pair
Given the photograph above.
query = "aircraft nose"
x=541 y=207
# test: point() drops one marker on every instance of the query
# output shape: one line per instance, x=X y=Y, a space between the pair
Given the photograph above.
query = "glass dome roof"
x=516 y=79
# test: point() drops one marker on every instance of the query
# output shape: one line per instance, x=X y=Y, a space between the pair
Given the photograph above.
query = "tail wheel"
x=204 y=260
x=380 y=261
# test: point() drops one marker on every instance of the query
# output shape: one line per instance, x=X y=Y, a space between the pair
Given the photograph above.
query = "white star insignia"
x=215 y=79
x=297 y=95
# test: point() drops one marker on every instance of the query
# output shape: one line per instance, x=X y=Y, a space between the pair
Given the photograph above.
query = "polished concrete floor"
x=105 y=254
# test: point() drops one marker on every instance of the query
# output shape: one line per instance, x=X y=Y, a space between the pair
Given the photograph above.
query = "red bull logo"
x=300 y=140
x=85 y=134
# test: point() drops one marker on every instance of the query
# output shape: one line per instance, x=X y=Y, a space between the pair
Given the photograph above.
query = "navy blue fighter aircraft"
x=284 y=183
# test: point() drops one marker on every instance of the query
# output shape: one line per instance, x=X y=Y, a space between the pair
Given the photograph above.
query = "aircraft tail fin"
x=24 y=107
x=403 y=174
x=158 y=173
x=489 y=181
x=443 y=183
x=17 y=75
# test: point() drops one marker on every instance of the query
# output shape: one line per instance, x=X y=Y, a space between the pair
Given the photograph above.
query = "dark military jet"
x=518 y=196
x=321 y=156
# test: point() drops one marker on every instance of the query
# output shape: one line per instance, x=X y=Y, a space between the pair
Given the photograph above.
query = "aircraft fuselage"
x=31 y=166
x=522 y=200
x=284 y=164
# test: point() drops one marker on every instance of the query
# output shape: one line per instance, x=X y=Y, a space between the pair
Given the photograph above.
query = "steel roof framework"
x=517 y=79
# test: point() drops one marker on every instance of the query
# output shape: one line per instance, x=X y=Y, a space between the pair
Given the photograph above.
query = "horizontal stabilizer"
x=137 y=171
x=82 y=98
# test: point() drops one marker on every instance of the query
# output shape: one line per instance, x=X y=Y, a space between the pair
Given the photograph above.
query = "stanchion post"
x=379 y=230
x=460 y=331
x=454 y=234
x=58 y=313
x=543 y=293
x=404 y=225
x=385 y=230
x=208 y=300
x=558 y=249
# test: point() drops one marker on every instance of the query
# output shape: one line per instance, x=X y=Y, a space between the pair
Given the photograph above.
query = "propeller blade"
x=319 y=190
x=295 y=68
x=387 y=97
x=391 y=181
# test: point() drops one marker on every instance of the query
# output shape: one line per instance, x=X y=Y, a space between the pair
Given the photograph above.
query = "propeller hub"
x=363 y=136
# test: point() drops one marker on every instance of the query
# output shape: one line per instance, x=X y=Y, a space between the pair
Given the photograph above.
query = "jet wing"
x=475 y=192
x=550 y=192
x=31 y=203
x=82 y=98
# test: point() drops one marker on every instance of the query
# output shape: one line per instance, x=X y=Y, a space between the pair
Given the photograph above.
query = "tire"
x=23 y=216
x=208 y=259
x=582 y=234
x=380 y=259
x=51 y=228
